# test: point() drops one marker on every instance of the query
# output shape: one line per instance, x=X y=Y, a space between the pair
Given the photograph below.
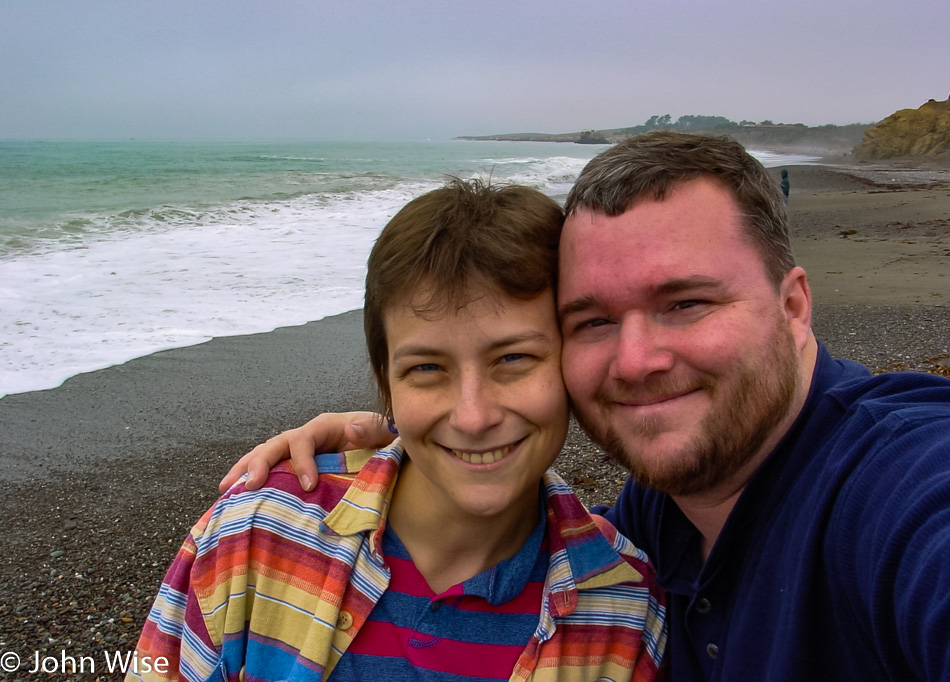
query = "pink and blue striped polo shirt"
x=278 y=584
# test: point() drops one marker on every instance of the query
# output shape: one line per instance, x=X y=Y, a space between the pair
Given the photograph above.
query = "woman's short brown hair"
x=454 y=243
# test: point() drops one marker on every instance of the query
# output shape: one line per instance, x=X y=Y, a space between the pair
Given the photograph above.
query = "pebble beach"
x=103 y=476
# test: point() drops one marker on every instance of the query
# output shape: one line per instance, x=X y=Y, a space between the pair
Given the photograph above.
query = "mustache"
x=650 y=391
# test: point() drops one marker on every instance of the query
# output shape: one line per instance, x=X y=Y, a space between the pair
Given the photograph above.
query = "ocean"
x=113 y=250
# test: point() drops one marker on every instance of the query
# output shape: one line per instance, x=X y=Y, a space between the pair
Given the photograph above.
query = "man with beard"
x=797 y=509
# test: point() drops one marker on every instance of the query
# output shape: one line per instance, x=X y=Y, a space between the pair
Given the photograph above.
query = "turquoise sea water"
x=60 y=189
x=110 y=251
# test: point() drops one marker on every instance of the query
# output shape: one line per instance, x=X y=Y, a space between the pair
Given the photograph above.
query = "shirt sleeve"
x=891 y=549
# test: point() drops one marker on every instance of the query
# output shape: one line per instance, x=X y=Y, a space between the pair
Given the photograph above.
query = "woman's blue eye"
x=428 y=367
x=512 y=357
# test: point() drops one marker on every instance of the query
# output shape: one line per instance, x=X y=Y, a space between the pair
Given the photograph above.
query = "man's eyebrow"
x=681 y=284
x=578 y=305
x=668 y=288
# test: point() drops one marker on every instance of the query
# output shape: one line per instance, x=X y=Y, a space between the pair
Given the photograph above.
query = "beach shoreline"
x=105 y=475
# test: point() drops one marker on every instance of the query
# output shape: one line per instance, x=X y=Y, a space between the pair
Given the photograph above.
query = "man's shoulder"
x=906 y=396
x=884 y=438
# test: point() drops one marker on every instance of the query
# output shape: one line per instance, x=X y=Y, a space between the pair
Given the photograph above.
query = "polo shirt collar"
x=365 y=505
x=582 y=555
x=507 y=579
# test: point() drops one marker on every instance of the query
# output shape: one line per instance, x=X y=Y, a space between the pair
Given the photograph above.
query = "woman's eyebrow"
x=533 y=335
x=418 y=350
x=424 y=350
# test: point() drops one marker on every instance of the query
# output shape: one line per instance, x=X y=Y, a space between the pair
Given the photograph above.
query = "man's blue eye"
x=428 y=367
x=512 y=357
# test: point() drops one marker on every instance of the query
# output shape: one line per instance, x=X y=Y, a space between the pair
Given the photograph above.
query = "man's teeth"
x=482 y=457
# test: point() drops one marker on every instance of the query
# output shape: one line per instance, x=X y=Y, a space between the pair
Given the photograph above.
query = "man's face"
x=677 y=349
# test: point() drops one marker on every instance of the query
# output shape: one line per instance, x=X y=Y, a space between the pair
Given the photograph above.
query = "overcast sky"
x=427 y=69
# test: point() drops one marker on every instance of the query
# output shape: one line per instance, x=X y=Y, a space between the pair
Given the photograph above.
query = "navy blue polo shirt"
x=835 y=562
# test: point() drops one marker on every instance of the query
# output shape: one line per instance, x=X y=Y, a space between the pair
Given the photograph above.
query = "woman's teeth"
x=482 y=457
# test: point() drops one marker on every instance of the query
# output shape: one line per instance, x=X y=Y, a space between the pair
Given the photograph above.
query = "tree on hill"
x=591 y=137
x=655 y=122
x=704 y=123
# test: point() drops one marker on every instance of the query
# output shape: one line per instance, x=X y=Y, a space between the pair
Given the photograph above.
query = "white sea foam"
x=553 y=175
x=773 y=160
x=243 y=269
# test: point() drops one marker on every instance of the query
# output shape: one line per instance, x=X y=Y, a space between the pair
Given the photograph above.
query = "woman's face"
x=478 y=400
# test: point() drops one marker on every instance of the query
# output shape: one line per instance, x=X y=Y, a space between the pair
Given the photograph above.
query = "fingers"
x=332 y=433
x=234 y=473
x=302 y=450
x=367 y=430
x=324 y=433
x=257 y=463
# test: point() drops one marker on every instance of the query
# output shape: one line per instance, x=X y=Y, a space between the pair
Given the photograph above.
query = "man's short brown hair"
x=464 y=240
x=649 y=166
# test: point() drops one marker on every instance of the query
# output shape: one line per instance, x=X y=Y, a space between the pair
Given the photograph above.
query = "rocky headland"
x=921 y=132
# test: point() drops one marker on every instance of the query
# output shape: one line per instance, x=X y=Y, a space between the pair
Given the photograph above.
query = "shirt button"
x=712 y=650
x=435 y=606
x=345 y=620
x=703 y=606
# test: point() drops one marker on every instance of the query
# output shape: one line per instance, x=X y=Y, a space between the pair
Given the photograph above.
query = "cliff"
x=908 y=132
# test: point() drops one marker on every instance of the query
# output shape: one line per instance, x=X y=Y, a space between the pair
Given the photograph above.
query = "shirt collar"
x=507 y=579
x=584 y=554
x=365 y=505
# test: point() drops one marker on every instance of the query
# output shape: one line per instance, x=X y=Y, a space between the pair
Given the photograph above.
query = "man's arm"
x=329 y=432
x=891 y=548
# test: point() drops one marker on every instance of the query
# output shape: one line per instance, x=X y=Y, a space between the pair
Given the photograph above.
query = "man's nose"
x=643 y=349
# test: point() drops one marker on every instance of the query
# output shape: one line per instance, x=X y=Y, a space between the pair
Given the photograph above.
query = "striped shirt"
x=473 y=632
x=275 y=584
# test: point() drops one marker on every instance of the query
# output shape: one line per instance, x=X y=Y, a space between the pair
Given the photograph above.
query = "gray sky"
x=418 y=69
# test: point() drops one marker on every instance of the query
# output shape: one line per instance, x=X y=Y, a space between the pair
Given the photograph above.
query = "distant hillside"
x=924 y=131
x=779 y=137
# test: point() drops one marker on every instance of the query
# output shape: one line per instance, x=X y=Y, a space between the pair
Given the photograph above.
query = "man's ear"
x=796 y=303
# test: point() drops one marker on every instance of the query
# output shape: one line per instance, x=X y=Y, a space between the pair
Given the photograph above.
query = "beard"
x=746 y=406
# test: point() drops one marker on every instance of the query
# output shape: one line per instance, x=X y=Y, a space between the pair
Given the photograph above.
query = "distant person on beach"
x=453 y=553
x=784 y=184
x=796 y=507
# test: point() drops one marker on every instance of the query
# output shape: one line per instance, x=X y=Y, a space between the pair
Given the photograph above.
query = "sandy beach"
x=104 y=476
